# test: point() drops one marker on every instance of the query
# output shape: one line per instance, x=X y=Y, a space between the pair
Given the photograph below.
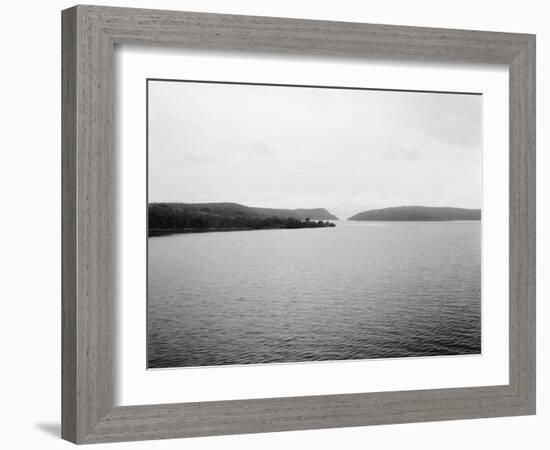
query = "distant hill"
x=301 y=213
x=195 y=217
x=418 y=213
x=238 y=209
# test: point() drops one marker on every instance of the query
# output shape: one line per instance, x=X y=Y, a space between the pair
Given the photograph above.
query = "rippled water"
x=359 y=290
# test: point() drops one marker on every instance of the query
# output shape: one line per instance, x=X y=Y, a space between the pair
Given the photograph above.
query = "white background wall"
x=30 y=225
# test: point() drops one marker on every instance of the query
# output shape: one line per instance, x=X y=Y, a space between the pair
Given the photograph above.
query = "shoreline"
x=155 y=232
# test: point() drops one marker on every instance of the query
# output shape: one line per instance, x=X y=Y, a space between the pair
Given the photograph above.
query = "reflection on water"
x=359 y=290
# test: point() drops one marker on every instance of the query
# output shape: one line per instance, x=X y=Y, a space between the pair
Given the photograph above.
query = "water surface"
x=357 y=291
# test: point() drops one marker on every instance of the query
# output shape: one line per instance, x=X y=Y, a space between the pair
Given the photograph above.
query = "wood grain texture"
x=87 y=150
x=89 y=36
x=523 y=223
x=68 y=225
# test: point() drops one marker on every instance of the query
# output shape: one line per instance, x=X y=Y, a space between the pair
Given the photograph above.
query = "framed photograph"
x=278 y=224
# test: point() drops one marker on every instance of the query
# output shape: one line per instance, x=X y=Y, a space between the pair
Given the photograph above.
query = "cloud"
x=261 y=148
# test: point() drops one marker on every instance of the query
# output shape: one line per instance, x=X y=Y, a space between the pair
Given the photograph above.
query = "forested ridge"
x=166 y=218
x=418 y=213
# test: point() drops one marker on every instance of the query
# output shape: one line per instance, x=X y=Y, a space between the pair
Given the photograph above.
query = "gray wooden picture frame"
x=89 y=37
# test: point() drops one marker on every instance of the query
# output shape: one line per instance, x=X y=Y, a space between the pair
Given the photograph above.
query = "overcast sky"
x=290 y=147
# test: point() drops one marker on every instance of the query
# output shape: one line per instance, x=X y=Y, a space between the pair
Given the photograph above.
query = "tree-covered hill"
x=418 y=213
x=195 y=217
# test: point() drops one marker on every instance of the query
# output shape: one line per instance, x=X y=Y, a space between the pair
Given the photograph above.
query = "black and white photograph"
x=297 y=224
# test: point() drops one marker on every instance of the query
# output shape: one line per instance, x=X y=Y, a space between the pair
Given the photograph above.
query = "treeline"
x=180 y=218
x=418 y=213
